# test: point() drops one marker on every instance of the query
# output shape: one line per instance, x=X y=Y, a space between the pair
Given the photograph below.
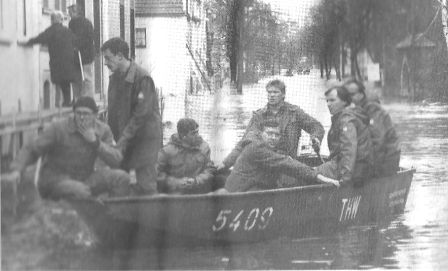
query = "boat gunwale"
x=161 y=197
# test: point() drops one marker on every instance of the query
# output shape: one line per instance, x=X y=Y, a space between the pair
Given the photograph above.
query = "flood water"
x=417 y=239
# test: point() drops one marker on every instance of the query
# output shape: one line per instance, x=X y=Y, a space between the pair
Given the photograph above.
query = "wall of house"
x=19 y=63
x=165 y=57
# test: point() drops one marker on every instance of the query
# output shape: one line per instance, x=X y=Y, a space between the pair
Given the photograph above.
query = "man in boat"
x=184 y=165
x=69 y=149
x=261 y=163
x=386 y=149
x=133 y=114
x=349 y=141
x=291 y=118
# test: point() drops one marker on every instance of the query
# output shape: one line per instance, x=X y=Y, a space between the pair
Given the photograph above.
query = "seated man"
x=291 y=118
x=386 y=149
x=348 y=140
x=69 y=149
x=260 y=164
x=184 y=165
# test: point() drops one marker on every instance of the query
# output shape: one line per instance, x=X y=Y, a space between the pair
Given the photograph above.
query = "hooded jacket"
x=178 y=160
x=350 y=145
x=385 y=143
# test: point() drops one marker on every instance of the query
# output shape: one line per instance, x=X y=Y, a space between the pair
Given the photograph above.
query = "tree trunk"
x=445 y=19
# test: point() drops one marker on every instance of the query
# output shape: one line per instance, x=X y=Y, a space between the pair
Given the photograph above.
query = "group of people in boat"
x=362 y=142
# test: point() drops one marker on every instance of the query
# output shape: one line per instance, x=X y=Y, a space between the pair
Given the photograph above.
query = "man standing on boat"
x=69 y=149
x=261 y=163
x=133 y=114
x=291 y=118
x=386 y=149
x=184 y=164
x=348 y=140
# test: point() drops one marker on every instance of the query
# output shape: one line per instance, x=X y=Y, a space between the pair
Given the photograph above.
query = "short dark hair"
x=361 y=87
x=185 y=125
x=269 y=124
x=116 y=45
x=277 y=84
x=342 y=93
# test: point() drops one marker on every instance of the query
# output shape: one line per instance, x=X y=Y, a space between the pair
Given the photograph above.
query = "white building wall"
x=19 y=77
x=166 y=59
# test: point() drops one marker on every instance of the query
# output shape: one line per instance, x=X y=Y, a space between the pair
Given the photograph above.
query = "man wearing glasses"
x=69 y=149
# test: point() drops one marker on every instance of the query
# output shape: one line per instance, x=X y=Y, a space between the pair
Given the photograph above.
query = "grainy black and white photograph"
x=224 y=134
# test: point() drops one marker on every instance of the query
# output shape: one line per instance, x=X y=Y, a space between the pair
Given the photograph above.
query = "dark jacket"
x=83 y=30
x=259 y=167
x=178 y=159
x=386 y=149
x=350 y=145
x=292 y=121
x=134 y=116
x=60 y=42
x=66 y=152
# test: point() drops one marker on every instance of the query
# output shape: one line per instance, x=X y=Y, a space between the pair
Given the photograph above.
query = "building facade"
x=25 y=84
x=171 y=44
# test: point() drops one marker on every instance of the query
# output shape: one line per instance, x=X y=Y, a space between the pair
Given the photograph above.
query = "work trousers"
x=57 y=186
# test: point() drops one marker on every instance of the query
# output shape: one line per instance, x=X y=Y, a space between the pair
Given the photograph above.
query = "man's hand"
x=221 y=166
x=315 y=143
x=87 y=132
x=187 y=182
x=327 y=180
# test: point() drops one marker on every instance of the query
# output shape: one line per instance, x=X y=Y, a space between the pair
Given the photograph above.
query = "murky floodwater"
x=416 y=239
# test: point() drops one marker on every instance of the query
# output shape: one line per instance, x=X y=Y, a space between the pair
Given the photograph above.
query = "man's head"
x=57 y=17
x=188 y=131
x=337 y=98
x=116 y=54
x=356 y=89
x=85 y=111
x=271 y=133
x=74 y=10
x=276 y=92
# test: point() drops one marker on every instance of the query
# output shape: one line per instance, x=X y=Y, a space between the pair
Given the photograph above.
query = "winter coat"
x=60 y=42
x=386 y=149
x=134 y=116
x=292 y=121
x=350 y=146
x=259 y=167
x=178 y=159
x=83 y=30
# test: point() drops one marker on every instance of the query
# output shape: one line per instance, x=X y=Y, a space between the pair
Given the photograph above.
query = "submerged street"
x=417 y=239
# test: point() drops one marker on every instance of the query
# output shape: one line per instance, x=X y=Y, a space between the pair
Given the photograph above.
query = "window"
x=22 y=22
x=64 y=6
x=140 y=37
x=57 y=5
x=45 y=4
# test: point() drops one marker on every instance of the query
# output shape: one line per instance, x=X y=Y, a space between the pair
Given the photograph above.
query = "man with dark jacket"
x=292 y=120
x=69 y=149
x=386 y=149
x=83 y=30
x=348 y=140
x=133 y=114
x=261 y=163
x=60 y=42
x=184 y=164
